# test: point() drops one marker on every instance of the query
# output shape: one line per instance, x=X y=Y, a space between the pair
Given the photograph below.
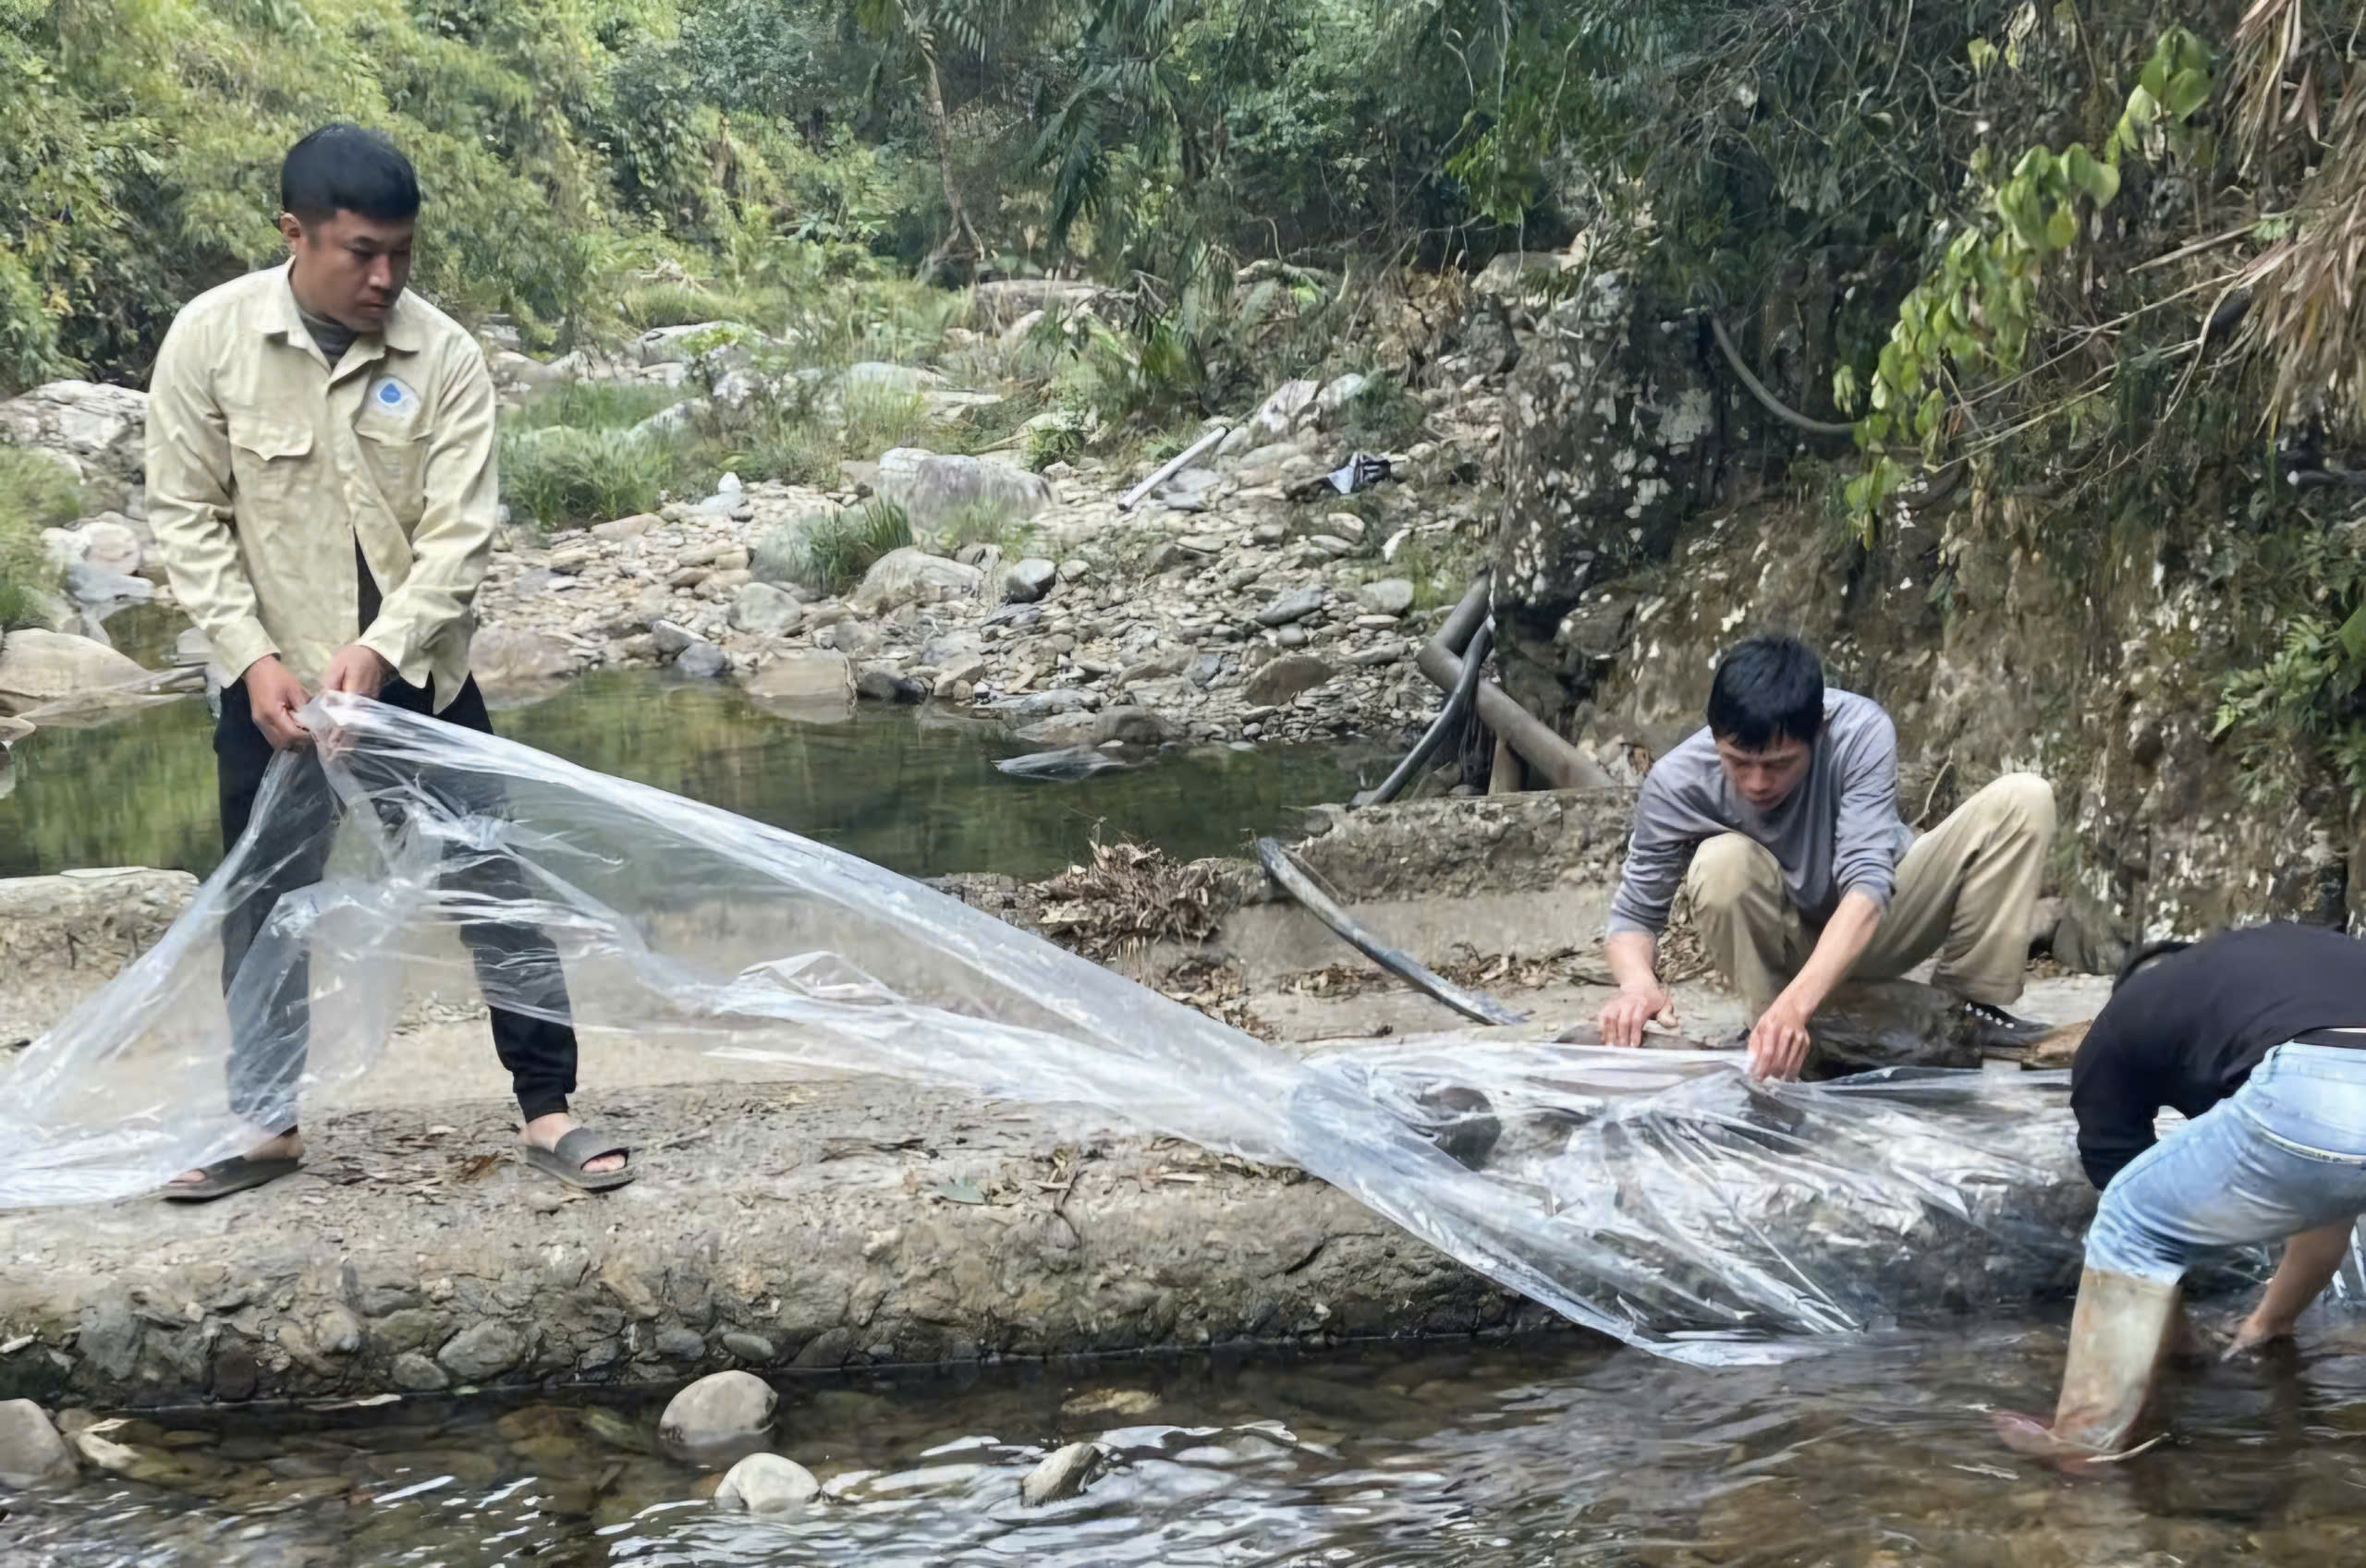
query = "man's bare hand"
x=1634 y=1006
x=2256 y=1332
x=1778 y=1041
x=357 y=669
x=276 y=699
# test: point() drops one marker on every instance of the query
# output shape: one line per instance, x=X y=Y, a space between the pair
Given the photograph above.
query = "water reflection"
x=916 y=793
x=1556 y=1452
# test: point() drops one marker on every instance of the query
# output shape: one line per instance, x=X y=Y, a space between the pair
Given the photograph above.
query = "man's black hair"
x=347 y=168
x=2149 y=952
x=1767 y=688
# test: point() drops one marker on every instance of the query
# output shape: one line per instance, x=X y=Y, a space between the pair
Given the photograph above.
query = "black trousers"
x=267 y=1057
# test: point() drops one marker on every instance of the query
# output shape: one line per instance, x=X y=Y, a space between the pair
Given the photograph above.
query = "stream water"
x=916 y=791
x=1470 y=1456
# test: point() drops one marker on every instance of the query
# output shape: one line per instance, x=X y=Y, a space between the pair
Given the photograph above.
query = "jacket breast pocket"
x=267 y=460
x=397 y=459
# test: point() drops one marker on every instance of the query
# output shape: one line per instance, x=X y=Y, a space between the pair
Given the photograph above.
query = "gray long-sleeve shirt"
x=1838 y=833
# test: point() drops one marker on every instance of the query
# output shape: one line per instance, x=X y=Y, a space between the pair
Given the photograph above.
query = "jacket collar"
x=283 y=317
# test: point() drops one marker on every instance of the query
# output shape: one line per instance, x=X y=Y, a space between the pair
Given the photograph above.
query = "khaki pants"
x=1964 y=892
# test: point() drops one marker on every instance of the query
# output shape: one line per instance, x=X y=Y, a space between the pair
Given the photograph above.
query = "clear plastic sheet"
x=1661 y=1196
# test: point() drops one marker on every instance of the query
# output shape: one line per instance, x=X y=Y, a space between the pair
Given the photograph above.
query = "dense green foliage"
x=1989 y=231
x=36 y=492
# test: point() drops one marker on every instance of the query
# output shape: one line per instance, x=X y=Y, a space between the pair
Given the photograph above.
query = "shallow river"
x=1549 y=1451
x=916 y=791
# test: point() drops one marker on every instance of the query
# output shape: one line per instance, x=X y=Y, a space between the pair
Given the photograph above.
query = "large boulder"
x=1615 y=429
x=931 y=487
x=718 y=1414
x=762 y=608
x=95 y=585
x=913 y=576
x=509 y=660
x=41 y=668
x=100 y=428
x=805 y=683
x=31 y=1454
x=1029 y=580
x=109 y=544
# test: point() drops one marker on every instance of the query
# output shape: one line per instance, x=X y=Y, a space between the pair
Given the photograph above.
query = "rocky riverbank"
x=1243 y=600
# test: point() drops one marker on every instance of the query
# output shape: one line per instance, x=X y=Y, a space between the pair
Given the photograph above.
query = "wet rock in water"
x=880 y=683
x=1279 y=680
x=505 y=659
x=913 y=576
x=534 y=1422
x=95 y=585
x=704 y=660
x=42 y=667
x=1029 y=580
x=765 y=1483
x=814 y=682
x=1064 y=732
x=1067 y=763
x=719 y=1412
x=1289 y=607
x=1389 y=596
x=671 y=638
x=1121 y=723
x=1132 y=725
x=760 y=607
x=617 y=1431
x=1062 y=1475
x=32 y=1452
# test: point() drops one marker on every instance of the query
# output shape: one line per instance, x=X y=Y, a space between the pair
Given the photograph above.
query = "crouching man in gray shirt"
x=1801 y=874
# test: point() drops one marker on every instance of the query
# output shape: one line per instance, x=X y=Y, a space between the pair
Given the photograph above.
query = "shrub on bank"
x=560 y=476
x=830 y=554
x=36 y=492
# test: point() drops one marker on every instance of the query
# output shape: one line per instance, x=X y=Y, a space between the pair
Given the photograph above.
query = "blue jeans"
x=2285 y=1153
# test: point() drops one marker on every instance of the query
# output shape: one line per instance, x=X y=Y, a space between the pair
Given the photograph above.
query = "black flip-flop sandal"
x=223 y=1177
x=576 y=1151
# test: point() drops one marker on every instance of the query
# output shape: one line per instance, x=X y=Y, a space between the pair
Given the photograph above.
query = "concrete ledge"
x=63 y=937
x=807 y=1224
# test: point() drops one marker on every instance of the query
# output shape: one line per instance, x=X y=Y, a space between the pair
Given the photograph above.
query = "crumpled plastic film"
x=1660 y=1197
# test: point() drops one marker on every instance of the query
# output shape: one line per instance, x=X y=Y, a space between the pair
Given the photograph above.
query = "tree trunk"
x=939 y=129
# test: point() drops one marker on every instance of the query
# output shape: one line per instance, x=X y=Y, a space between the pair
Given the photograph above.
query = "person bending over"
x=1780 y=819
x=2259 y=1036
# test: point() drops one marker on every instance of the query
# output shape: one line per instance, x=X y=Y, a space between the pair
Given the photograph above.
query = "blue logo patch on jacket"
x=390 y=395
